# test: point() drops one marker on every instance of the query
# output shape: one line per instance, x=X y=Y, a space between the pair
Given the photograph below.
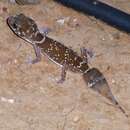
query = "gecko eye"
x=14 y=26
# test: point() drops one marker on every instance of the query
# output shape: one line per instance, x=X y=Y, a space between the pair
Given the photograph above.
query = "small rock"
x=3 y=99
x=113 y=81
x=15 y=61
x=76 y=119
x=62 y=21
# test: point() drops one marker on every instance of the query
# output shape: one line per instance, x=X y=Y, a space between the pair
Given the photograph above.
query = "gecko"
x=63 y=56
x=27 y=29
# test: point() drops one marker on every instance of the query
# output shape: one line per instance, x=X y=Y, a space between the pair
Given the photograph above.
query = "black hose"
x=102 y=11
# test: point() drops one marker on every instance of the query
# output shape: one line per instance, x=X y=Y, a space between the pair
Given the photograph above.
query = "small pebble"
x=76 y=119
x=103 y=39
x=3 y=99
x=62 y=21
x=113 y=81
x=15 y=61
x=75 y=22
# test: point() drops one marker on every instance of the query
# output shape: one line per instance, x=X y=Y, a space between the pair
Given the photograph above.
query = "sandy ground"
x=31 y=99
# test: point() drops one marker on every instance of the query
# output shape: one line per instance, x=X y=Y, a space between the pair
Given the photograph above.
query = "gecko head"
x=24 y=27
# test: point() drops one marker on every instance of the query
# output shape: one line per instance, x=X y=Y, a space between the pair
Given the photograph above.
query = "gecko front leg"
x=38 y=54
x=44 y=30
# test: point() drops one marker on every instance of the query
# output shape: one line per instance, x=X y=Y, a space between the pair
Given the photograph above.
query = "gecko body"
x=26 y=28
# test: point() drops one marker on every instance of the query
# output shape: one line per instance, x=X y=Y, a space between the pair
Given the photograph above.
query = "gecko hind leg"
x=86 y=54
x=38 y=54
x=63 y=74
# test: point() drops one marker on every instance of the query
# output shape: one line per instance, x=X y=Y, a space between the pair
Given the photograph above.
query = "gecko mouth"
x=9 y=19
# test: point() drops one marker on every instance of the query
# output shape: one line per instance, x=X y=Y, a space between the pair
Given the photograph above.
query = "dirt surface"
x=31 y=98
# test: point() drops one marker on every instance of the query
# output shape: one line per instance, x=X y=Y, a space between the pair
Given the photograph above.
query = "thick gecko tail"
x=97 y=82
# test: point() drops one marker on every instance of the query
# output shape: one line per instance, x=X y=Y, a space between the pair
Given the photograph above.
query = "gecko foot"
x=29 y=60
x=60 y=81
x=36 y=60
